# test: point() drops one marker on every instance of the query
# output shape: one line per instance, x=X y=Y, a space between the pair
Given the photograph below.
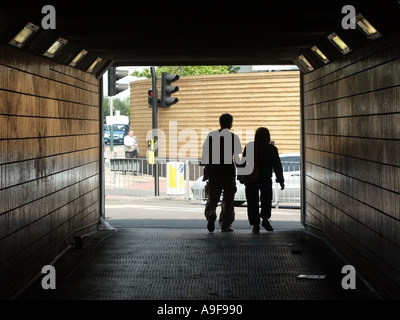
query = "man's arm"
x=277 y=166
x=237 y=150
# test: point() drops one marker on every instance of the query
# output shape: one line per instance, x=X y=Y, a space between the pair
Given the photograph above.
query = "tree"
x=187 y=70
x=122 y=105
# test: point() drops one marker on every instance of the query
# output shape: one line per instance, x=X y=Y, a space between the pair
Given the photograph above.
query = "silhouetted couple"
x=221 y=156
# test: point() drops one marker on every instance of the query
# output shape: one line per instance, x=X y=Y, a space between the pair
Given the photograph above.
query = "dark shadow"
x=196 y=224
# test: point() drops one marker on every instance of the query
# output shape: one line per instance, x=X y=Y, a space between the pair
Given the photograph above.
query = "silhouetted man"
x=220 y=154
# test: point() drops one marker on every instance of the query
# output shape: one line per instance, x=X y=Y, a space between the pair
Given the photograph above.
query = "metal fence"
x=137 y=178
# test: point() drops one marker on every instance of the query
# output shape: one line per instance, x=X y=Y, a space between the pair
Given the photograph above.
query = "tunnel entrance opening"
x=268 y=96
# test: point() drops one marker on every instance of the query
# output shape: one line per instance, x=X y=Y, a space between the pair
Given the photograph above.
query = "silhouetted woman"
x=268 y=161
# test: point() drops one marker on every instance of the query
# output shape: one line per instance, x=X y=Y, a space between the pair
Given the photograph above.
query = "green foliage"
x=187 y=70
x=106 y=108
x=122 y=105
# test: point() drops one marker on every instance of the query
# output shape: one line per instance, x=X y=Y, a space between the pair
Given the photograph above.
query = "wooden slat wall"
x=269 y=99
x=352 y=159
x=49 y=162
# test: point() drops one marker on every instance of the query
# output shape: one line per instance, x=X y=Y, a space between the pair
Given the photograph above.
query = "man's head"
x=130 y=133
x=225 y=121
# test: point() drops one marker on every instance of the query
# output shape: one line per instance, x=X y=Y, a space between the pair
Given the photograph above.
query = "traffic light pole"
x=112 y=125
x=155 y=133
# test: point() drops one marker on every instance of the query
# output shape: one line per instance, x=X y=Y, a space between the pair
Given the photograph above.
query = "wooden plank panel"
x=255 y=99
x=59 y=231
x=373 y=244
x=372 y=79
x=384 y=152
x=49 y=160
x=367 y=56
x=352 y=156
x=377 y=102
x=374 y=126
x=37 y=85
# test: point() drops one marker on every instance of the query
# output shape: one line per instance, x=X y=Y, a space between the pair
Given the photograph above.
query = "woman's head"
x=262 y=135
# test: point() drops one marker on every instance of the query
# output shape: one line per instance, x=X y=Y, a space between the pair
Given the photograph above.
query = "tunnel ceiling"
x=134 y=33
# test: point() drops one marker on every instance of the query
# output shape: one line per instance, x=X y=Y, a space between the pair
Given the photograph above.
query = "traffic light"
x=167 y=89
x=150 y=96
x=113 y=76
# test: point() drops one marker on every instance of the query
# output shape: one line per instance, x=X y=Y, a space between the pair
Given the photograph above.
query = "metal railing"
x=139 y=180
x=291 y=194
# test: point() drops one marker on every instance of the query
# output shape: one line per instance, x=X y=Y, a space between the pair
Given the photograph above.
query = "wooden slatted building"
x=270 y=99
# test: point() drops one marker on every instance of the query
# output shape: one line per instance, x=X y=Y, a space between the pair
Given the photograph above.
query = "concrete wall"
x=49 y=162
x=270 y=99
x=352 y=159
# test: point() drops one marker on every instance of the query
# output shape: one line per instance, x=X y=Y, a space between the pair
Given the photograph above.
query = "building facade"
x=269 y=99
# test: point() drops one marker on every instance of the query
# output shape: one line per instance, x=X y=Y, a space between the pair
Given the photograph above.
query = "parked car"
x=290 y=195
x=120 y=131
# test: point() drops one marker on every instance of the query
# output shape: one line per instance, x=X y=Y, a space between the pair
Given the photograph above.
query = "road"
x=169 y=212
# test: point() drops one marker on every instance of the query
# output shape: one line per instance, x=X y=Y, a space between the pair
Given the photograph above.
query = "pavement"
x=160 y=265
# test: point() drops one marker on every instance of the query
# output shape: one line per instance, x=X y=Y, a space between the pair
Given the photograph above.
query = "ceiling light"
x=339 y=43
x=55 y=47
x=20 y=39
x=320 y=54
x=366 y=27
x=94 y=64
x=306 y=62
x=78 y=57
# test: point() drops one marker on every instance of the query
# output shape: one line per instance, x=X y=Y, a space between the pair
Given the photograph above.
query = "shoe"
x=226 y=229
x=267 y=225
x=256 y=229
x=211 y=223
